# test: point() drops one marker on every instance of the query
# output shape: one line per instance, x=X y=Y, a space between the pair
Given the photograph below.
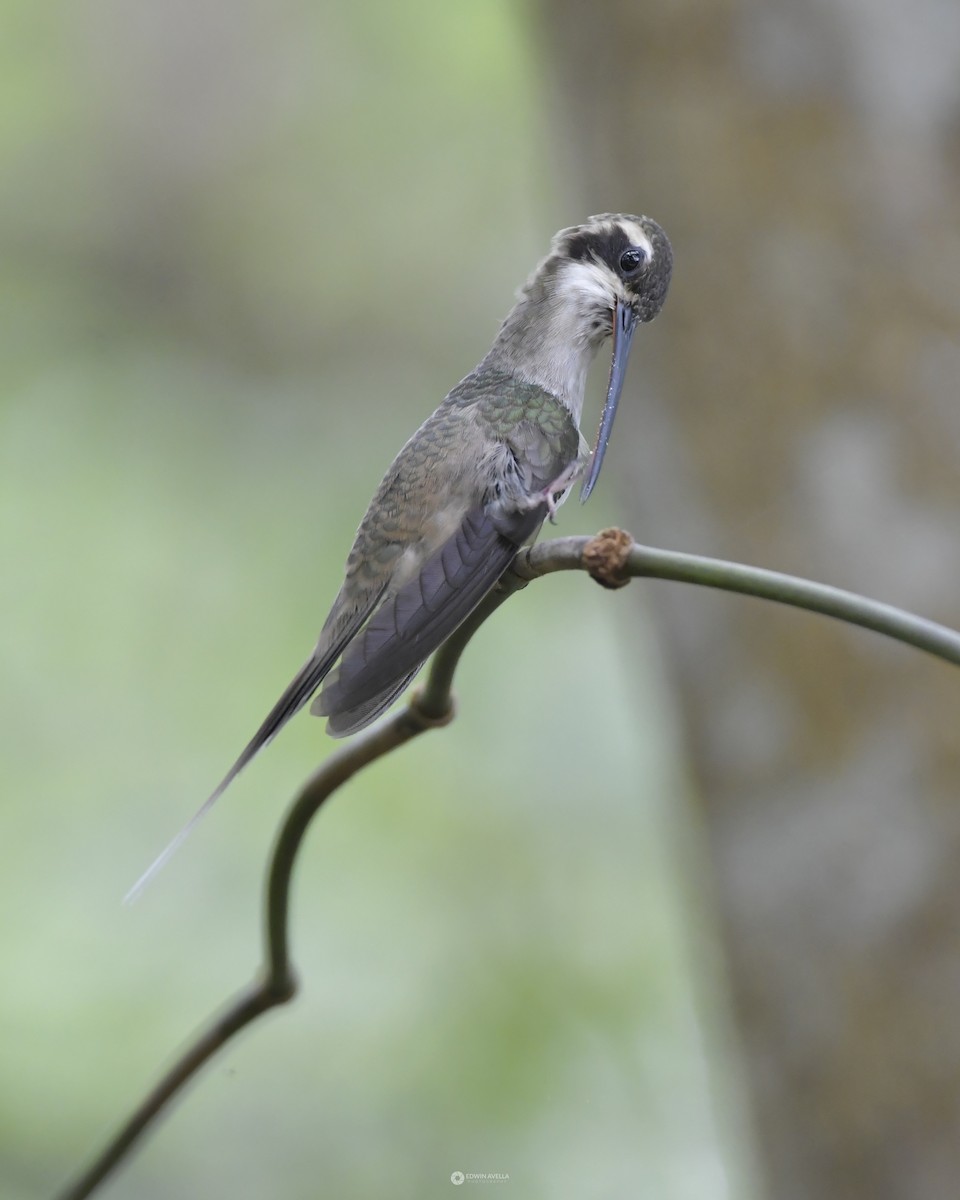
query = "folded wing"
x=407 y=628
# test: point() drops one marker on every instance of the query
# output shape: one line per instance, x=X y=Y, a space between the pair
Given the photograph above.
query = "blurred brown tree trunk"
x=798 y=407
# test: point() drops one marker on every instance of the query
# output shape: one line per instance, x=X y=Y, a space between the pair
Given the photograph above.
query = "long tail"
x=301 y=688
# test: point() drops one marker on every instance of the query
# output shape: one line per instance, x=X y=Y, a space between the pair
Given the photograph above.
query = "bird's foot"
x=554 y=494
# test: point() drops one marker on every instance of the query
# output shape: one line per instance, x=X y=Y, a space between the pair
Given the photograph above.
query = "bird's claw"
x=555 y=493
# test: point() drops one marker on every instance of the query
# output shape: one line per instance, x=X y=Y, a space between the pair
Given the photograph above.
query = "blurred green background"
x=245 y=250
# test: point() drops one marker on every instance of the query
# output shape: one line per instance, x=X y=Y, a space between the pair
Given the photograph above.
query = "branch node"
x=422 y=716
x=606 y=555
x=281 y=990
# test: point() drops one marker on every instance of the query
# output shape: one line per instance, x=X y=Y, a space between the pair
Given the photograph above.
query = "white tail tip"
x=163 y=858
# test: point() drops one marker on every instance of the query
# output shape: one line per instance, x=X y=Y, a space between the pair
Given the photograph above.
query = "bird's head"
x=610 y=261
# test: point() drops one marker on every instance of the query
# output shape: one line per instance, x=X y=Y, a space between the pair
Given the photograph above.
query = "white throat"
x=554 y=331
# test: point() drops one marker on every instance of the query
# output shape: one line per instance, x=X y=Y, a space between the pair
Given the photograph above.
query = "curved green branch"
x=611 y=557
x=566 y=554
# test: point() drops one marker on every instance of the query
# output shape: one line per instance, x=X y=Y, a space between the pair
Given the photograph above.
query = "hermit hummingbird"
x=477 y=480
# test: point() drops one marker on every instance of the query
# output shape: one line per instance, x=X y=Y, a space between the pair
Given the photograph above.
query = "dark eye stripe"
x=605 y=244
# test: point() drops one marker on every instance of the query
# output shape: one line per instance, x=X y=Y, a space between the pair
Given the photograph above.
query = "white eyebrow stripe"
x=637 y=236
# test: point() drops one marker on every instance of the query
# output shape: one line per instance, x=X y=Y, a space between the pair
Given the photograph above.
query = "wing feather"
x=409 y=626
x=351 y=720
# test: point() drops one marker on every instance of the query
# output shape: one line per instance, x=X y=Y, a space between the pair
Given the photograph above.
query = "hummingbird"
x=477 y=480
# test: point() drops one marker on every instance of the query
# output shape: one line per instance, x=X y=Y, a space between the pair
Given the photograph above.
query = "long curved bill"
x=624 y=324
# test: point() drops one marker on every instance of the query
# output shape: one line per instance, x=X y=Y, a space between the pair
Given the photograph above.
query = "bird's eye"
x=633 y=260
